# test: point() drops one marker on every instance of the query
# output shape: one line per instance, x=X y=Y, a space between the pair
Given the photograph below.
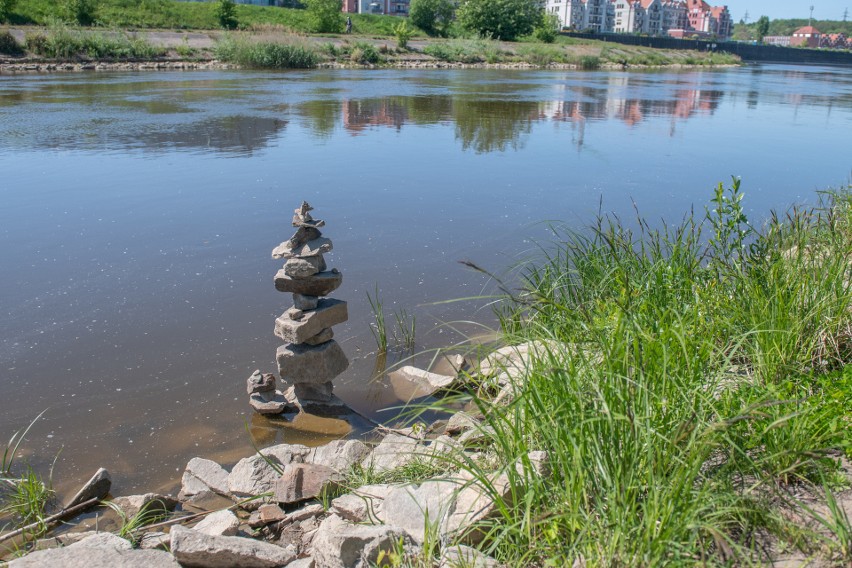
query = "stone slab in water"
x=311 y=364
x=329 y=312
x=271 y=402
x=311 y=248
x=304 y=267
x=325 y=335
x=320 y=284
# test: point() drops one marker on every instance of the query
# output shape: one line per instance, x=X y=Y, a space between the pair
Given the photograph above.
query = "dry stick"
x=63 y=514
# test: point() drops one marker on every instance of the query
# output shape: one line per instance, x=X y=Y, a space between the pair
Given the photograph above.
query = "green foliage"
x=226 y=14
x=27 y=500
x=432 y=16
x=131 y=525
x=61 y=42
x=6 y=7
x=403 y=34
x=589 y=62
x=379 y=327
x=762 y=28
x=499 y=19
x=82 y=12
x=547 y=29
x=293 y=54
x=8 y=44
x=325 y=15
x=466 y=51
x=541 y=55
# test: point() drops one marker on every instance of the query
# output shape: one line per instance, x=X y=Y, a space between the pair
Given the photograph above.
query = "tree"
x=499 y=19
x=80 y=11
x=547 y=29
x=325 y=15
x=226 y=14
x=432 y=16
x=762 y=28
x=6 y=7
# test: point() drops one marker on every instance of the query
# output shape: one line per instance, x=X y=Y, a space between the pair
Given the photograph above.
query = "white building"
x=598 y=16
x=569 y=12
x=639 y=17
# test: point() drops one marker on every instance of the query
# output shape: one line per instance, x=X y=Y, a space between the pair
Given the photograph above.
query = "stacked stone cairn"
x=310 y=359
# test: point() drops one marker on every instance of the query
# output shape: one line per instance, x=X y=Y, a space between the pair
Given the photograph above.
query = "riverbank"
x=70 y=49
x=679 y=396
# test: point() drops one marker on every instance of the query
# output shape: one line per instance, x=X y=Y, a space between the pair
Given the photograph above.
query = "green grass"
x=292 y=53
x=61 y=42
x=466 y=51
x=695 y=374
x=379 y=327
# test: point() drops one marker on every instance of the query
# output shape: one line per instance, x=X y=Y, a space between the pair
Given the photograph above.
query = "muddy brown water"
x=139 y=211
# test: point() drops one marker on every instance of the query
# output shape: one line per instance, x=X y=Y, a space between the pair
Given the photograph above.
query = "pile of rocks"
x=310 y=359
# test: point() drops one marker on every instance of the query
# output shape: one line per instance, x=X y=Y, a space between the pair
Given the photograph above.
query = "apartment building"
x=652 y=17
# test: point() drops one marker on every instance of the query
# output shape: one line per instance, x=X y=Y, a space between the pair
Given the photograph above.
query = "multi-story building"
x=714 y=20
x=675 y=15
x=569 y=12
x=598 y=16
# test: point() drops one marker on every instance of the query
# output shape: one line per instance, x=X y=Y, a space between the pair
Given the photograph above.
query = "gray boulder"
x=421 y=511
x=364 y=505
x=253 y=475
x=260 y=382
x=392 y=452
x=412 y=382
x=311 y=364
x=304 y=267
x=220 y=523
x=329 y=312
x=339 y=455
x=103 y=550
x=192 y=548
x=303 y=481
x=202 y=475
x=339 y=544
x=320 y=284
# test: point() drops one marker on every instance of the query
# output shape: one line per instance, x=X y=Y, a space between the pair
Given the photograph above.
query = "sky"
x=775 y=9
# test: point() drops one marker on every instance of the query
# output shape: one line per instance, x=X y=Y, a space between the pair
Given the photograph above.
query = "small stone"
x=271 y=513
x=192 y=548
x=260 y=382
x=305 y=303
x=329 y=312
x=300 y=482
x=220 y=523
x=268 y=402
x=311 y=364
x=325 y=335
x=315 y=247
x=98 y=486
x=305 y=393
x=304 y=232
x=320 y=284
x=304 y=267
x=365 y=504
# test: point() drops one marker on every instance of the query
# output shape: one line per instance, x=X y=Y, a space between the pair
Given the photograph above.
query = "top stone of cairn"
x=307 y=241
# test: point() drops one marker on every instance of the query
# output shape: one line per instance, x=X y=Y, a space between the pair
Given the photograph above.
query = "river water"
x=139 y=210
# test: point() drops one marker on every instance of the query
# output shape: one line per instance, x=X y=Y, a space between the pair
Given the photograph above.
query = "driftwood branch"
x=61 y=515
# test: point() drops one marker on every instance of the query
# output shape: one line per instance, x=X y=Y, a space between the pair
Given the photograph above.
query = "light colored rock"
x=410 y=382
x=320 y=284
x=339 y=544
x=478 y=436
x=192 y=548
x=97 y=487
x=538 y=462
x=305 y=303
x=103 y=550
x=154 y=540
x=315 y=247
x=443 y=446
x=325 y=335
x=220 y=523
x=364 y=505
x=460 y=422
x=152 y=502
x=302 y=481
x=304 y=394
x=271 y=402
x=339 y=455
x=252 y=476
x=394 y=451
x=508 y=364
x=475 y=503
x=260 y=382
x=461 y=556
x=421 y=511
x=329 y=312
x=202 y=475
x=302 y=563
x=270 y=513
x=304 y=513
x=311 y=364
x=304 y=267
x=64 y=539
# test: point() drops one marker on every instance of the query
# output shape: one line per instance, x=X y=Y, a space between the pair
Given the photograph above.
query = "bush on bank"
x=697 y=379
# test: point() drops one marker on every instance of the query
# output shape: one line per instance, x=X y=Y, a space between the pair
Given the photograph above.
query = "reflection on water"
x=137 y=292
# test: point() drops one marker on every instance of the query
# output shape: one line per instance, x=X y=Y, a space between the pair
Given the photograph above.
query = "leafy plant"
x=325 y=15
x=500 y=19
x=226 y=14
x=432 y=16
x=403 y=34
x=6 y=7
x=131 y=525
x=547 y=29
x=82 y=12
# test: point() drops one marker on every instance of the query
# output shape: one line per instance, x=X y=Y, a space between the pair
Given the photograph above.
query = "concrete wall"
x=747 y=51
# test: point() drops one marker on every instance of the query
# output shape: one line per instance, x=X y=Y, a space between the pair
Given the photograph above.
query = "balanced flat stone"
x=270 y=402
x=311 y=364
x=305 y=303
x=311 y=248
x=320 y=284
x=325 y=335
x=260 y=382
x=313 y=392
x=304 y=267
x=329 y=312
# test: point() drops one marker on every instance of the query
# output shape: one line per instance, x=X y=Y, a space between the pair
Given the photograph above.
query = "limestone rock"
x=200 y=475
x=271 y=402
x=320 y=284
x=98 y=486
x=325 y=335
x=508 y=364
x=329 y=312
x=192 y=548
x=462 y=556
x=364 y=505
x=305 y=303
x=304 y=267
x=393 y=451
x=421 y=510
x=252 y=476
x=539 y=464
x=311 y=364
x=314 y=247
x=340 y=455
x=260 y=382
x=339 y=544
x=220 y=523
x=152 y=502
x=304 y=394
x=305 y=232
x=303 y=481
x=302 y=563
x=154 y=540
x=410 y=382
x=460 y=422
x=103 y=550
x=475 y=503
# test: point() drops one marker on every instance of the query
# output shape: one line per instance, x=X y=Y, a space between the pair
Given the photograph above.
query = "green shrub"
x=82 y=12
x=432 y=16
x=589 y=62
x=403 y=34
x=61 y=42
x=9 y=45
x=292 y=55
x=499 y=19
x=365 y=54
x=6 y=7
x=541 y=55
x=325 y=15
x=226 y=14
x=547 y=29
